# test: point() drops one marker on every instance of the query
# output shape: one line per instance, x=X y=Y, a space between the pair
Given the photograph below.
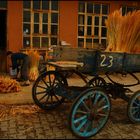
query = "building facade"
x=40 y=24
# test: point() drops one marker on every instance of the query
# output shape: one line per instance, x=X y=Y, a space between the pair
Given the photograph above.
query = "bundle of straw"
x=8 y=85
x=34 y=63
x=123 y=32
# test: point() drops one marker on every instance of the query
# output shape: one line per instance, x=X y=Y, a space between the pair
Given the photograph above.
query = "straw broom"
x=34 y=63
x=123 y=32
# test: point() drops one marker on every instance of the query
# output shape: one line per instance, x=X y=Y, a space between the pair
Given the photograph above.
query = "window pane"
x=36 y=28
x=95 y=43
x=53 y=41
x=45 y=5
x=103 y=41
x=81 y=19
x=89 y=8
x=96 y=40
x=54 y=29
x=103 y=20
x=81 y=31
x=45 y=28
x=97 y=9
x=80 y=42
x=81 y=7
x=3 y=4
x=55 y=5
x=26 y=16
x=104 y=32
x=27 y=4
x=36 y=17
x=89 y=31
x=96 y=21
x=105 y=9
x=89 y=20
x=123 y=10
x=36 y=42
x=36 y=4
x=88 y=43
x=129 y=9
x=54 y=18
x=26 y=41
x=45 y=42
x=45 y=18
x=26 y=29
x=96 y=31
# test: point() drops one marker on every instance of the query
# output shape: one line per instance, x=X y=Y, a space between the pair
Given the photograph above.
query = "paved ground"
x=29 y=122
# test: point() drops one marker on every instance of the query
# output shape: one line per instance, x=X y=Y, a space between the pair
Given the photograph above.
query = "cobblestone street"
x=30 y=122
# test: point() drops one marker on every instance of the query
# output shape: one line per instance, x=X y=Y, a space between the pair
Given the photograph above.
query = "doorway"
x=3 y=40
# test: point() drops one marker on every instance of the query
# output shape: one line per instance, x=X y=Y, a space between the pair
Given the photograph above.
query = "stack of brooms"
x=8 y=85
x=123 y=32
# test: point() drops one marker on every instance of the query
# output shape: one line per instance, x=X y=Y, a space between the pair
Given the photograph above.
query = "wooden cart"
x=91 y=103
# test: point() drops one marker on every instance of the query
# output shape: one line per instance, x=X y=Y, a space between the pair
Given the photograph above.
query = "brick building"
x=41 y=23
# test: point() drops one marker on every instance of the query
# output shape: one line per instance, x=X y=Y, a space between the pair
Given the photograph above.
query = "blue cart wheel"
x=46 y=89
x=89 y=113
x=133 y=108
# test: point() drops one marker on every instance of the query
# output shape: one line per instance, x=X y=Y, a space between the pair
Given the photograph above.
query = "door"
x=3 y=40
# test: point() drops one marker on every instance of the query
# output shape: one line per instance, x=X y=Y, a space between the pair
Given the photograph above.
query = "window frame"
x=41 y=35
x=126 y=8
x=93 y=26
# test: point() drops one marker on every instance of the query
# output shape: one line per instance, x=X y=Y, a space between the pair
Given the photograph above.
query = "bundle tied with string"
x=34 y=63
x=123 y=32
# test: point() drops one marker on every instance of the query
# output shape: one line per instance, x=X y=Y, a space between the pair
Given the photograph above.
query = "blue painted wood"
x=97 y=61
x=132 y=62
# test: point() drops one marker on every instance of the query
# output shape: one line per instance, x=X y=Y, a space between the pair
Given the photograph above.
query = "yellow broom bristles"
x=34 y=63
x=123 y=32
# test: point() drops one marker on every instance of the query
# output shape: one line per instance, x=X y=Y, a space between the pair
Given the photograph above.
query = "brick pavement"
x=30 y=122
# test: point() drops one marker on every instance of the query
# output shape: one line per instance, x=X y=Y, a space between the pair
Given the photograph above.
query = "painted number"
x=103 y=59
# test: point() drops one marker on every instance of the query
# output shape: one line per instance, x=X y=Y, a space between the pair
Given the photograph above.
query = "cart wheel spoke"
x=102 y=114
x=101 y=101
x=103 y=107
x=81 y=111
x=57 y=98
x=43 y=97
x=85 y=106
x=41 y=92
x=80 y=119
x=47 y=99
x=45 y=83
x=41 y=87
x=88 y=127
x=97 y=96
x=82 y=124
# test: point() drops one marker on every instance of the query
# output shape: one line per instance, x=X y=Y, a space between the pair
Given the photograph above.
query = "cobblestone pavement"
x=30 y=122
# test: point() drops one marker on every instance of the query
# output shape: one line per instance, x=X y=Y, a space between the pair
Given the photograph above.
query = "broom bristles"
x=123 y=32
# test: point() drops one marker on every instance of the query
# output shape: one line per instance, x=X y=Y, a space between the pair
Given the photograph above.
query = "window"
x=126 y=9
x=3 y=4
x=91 y=24
x=40 y=23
